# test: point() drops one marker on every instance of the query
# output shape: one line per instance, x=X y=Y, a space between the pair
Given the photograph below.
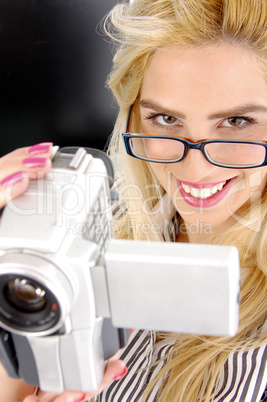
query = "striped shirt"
x=243 y=378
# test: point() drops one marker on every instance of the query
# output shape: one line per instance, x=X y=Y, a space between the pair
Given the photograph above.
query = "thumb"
x=114 y=371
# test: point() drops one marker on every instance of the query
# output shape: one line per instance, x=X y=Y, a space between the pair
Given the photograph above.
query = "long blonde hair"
x=140 y=29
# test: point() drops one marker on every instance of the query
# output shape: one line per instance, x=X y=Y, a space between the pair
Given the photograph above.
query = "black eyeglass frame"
x=200 y=145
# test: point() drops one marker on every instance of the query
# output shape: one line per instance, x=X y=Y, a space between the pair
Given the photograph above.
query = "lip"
x=208 y=202
x=201 y=185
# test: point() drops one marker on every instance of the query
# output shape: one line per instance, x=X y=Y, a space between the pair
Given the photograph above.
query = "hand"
x=21 y=165
x=115 y=369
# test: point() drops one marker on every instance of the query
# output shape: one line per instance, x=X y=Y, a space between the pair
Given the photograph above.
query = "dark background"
x=54 y=61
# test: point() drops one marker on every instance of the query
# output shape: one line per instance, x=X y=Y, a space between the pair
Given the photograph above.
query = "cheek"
x=256 y=180
x=248 y=189
x=264 y=177
x=159 y=171
x=164 y=176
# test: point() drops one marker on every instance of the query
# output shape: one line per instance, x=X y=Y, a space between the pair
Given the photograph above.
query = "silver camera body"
x=67 y=288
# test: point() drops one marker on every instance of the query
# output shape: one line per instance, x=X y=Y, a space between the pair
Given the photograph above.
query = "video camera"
x=67 y=288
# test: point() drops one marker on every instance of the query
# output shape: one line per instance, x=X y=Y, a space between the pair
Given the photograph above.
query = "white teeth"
x=203 y=193
x=186 y=188
x=220 y=186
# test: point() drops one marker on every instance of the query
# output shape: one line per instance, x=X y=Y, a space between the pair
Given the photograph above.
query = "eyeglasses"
x=229 y=154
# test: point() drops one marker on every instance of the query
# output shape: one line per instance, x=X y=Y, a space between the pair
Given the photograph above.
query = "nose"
x=194 y=167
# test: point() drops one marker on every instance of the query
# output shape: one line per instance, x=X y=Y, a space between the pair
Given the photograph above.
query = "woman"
x=193 y=73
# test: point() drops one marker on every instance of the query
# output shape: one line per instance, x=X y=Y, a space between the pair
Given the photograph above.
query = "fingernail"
x=41 y=148
x=119 y=376
x=81 y=399
x=34 y=162
x=12 y=179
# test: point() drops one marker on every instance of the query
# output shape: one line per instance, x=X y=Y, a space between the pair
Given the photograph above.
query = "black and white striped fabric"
x=243 y=379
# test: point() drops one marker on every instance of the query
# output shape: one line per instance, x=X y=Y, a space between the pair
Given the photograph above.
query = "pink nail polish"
x=12 y=179
x=34 y=162
x=81 y=399
x=119 y=376
x=41 y=148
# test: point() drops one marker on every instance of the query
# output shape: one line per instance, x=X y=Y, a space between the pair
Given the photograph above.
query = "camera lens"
x=25 y=295
x=26 y=304
x=35 y=294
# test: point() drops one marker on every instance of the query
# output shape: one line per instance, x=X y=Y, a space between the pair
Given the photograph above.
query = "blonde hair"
x=139 y=29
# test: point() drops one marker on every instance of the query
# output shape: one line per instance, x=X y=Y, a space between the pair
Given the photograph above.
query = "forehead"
x=210 y=73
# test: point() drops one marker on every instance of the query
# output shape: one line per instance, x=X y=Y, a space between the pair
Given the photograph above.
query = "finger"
x=38 y=162
x=31 y=398
x=27 y=160
x=12 y=186
x=52 y=397
x=44 y=149
x=115 y=370
x=68 y=396
x=36 y=167
x=17 y=167
x=41 y=148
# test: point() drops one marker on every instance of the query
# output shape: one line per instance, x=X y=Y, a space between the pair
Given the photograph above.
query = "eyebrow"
x=239 y=111
x=151 y=104
x=235 y=111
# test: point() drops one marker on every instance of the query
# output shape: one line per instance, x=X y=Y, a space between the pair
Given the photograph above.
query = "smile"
x=203 y=193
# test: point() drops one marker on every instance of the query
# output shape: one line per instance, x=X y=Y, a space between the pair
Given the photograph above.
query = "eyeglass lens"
x=230 y=154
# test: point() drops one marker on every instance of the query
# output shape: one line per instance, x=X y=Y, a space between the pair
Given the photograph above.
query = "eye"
x=164 y=120
x=168 y=119
x=234 y=121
